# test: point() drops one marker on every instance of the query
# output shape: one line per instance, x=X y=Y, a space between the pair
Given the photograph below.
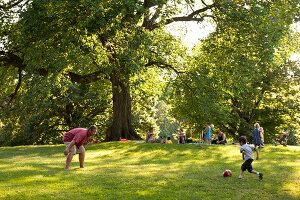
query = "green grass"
x=147 y=171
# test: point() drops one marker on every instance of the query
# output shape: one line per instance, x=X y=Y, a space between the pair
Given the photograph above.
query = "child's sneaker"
x=260 y=175
x=240 y=177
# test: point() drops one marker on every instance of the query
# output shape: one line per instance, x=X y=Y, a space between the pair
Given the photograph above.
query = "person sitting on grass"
x=168 y=141
x=247 y=155
x=75 y=140
x=220 y=139
x=150 y=135
x=283 y=138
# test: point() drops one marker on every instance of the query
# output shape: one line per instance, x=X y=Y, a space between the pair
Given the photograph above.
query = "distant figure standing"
x=202 y=134
x=181 y=136
x=256 y=135
x=150 y=135
x=208 y=134
x=262 y=136
x=75 y=140
x=247 y=155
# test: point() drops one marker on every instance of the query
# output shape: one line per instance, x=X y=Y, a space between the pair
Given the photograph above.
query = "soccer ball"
x=227 y=173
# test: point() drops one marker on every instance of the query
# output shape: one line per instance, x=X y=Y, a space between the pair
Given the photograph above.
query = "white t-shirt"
x=248 y=151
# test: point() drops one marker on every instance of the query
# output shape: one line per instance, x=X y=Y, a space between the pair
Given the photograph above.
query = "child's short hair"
x=243 y=139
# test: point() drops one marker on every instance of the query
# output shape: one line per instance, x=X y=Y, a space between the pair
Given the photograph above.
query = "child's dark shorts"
x=247 y=165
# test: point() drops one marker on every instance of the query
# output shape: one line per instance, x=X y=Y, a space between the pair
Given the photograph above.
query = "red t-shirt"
x=78 y=134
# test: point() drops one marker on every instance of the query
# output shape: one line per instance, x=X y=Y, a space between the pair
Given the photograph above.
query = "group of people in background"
x=150 y=138
x=219 y=138
x=258 y=136
x=207 y=136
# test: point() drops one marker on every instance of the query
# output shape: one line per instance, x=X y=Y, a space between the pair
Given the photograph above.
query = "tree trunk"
x=121 y=126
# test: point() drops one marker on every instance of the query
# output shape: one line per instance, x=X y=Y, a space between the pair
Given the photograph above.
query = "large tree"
x=84 y=44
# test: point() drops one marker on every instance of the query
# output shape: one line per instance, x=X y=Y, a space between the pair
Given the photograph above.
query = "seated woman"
x=221 y=138
x=150 y=135
x=283 y=138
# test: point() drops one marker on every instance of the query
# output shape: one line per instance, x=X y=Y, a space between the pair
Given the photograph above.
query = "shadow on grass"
x=213 y=160
x=145 y=171
x=32 y=150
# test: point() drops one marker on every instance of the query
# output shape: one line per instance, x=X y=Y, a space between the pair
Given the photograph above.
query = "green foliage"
x=235 y=77
x=70 y=51
x=293 y=139
x=49 y=107
x=144 y=99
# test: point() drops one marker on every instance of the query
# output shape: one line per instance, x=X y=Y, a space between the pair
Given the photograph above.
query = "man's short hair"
x=243 y=139
x=93 y=127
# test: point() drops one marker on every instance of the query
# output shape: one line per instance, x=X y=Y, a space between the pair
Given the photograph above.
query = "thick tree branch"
x=14 y=94
x=203 y=2
x=149 y=3
x=163 y=66
x=88 y=78
x=11 y=4
x=168 y=66
x=9 y=59
x=186 y=19
x=194 y=16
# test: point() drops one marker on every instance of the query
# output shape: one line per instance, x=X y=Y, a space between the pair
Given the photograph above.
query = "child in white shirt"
x=247 y=154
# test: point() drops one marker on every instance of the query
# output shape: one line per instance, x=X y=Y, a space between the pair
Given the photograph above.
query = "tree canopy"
x=65 y=64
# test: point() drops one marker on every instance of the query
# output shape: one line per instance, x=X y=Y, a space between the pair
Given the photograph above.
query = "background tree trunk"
x=121 y=126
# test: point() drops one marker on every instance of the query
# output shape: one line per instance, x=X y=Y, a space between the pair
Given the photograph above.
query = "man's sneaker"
x=260 y=175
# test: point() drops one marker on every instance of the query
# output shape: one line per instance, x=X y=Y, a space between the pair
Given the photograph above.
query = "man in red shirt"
x=75 y=140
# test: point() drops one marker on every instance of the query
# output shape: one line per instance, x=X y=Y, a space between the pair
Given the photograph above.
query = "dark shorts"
x=247 y=165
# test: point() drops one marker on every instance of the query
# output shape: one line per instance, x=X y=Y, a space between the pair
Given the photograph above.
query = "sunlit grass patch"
x=147 y=171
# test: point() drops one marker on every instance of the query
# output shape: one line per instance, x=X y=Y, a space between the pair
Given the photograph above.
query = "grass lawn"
x=132 y=170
